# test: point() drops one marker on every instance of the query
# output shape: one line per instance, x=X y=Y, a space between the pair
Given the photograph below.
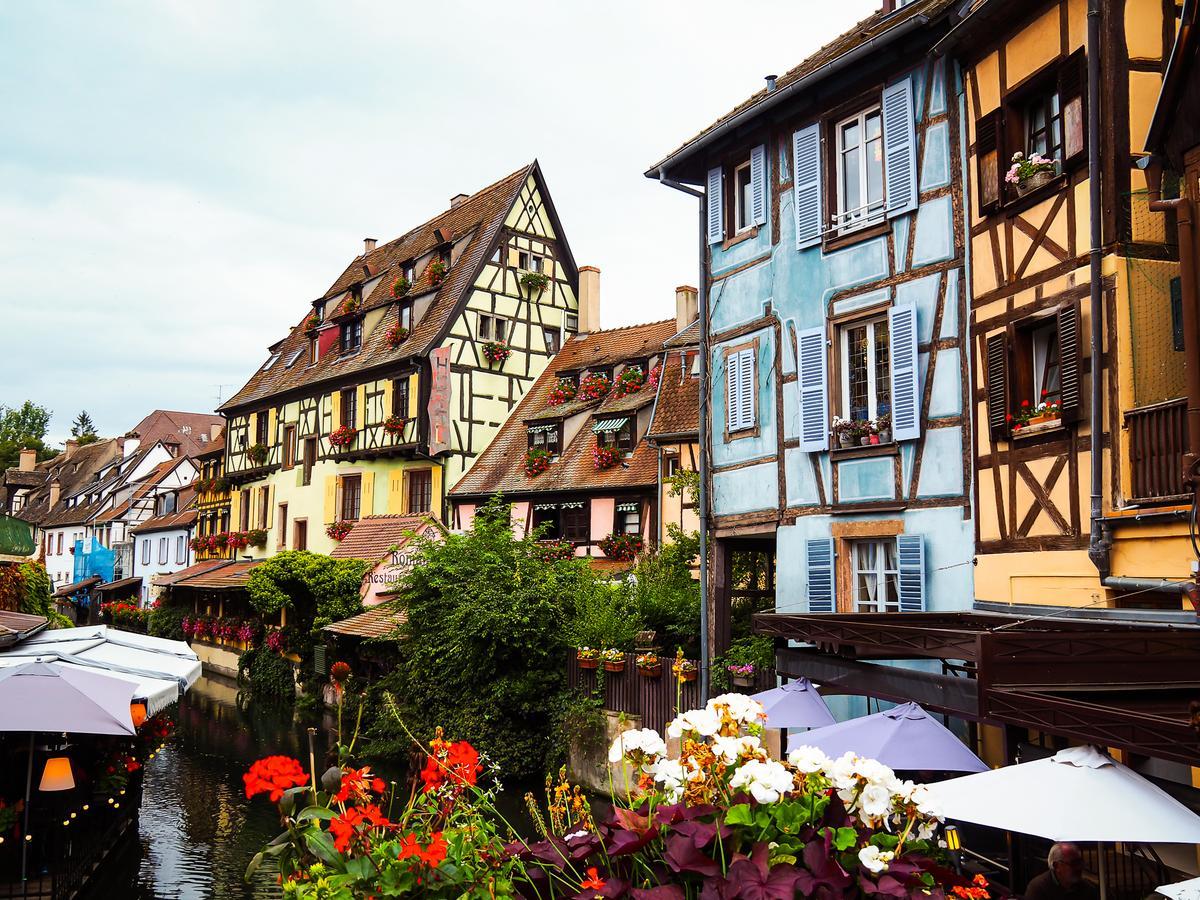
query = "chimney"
x=72 y=446
x=771 y=84
x=368 y=245
x=687 y=307
x=129 y=444
x=589 y=299
x=55 y=490
x=28 y=460
x=457 y=200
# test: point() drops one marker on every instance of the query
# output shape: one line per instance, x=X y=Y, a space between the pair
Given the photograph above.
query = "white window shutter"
x=906 y=383
x=819 y=559
x=910 y=552
x=813 y=378
x=732 y=401
x=746 y=387
x=899 y=148
x=758 y=184
x=806 y=172
x=715 y=197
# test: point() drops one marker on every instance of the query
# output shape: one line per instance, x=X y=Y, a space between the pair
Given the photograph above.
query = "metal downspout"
x=702 y=500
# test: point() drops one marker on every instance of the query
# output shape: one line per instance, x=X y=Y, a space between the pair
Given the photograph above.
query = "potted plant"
x=350 y=304
x=845 y=432
x=534 y=282
x=400 y=287
x=1028 y=414
x=649 y=665
x=343 y=437
x=564 y=391
x=312 y=322
x=652 y=378
x=594 y=386
x=863 y=431
x=436 y=271
x=496 y=352
x=394 y=425
x=256 y=537
x=605 y=457
x=257 y=454
x=1028 y=173
x=338 y=530
x=742 y=674
x=684 y=669
x=613 y=659
x=537 y=461
x=630 y=381
x=396 y=335
x=587 y=658
x=622 y=547
x=883 y=428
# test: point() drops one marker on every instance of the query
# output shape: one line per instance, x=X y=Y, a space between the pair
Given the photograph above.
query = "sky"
x=180 y=179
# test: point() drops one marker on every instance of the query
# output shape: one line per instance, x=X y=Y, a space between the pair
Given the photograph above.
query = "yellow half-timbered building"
x=400 y=374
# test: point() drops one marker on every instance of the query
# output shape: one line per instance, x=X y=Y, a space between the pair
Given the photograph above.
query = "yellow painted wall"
x=1050 y=578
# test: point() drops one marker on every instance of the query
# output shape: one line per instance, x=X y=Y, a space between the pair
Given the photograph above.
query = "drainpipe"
x=702 y=302
x=1099 y=546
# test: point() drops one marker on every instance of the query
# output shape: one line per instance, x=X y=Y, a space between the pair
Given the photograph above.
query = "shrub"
x=267 y=674
x=605 y=616
x=166 y=620
x=666 y=597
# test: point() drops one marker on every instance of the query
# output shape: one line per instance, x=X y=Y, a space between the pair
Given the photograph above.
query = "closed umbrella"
x=46 y=696
x=1182 y=890
x=904 y=737
x=795 y=704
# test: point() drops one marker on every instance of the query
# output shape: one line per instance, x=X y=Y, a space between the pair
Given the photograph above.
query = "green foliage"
x=266 y=674
x=83 y=429
x=35 y=589
x=166 y=620
x=319 y=588
x=20 y=427
x=666 y=597
x=484 y=644
x=605 y=616
x=752 y=649
x=684 y=483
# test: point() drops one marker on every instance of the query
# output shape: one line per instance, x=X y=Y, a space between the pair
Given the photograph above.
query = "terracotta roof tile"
x=199 y=568
x=373 y=537
x=183 y=517
x=182 y=428
x=376 y=622
x=232 y=574
x=677 y=410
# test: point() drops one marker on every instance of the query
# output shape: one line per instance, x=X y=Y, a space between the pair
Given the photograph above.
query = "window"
x=409 y=269
x=400 y=397
x=350 y=408
x=166 y=504
x=264 y=506
x=571 y=322
x=576 y=522
x=420 y=491
x=859 y=165
x=404 y=316
x=60 y=545
x=629 y=518
x=1042 y=116
x=492 y=328
x=283 y=526
x=866 y=369
x=145 y=549
x=876 y=576
x=743 y=198
x=244 y=510
x=289 y=446
x=312 y=351
x=545 y=437
x=530 y=262
x=1043 y=342
x=319 y=310
x=739 y=389
x=300 y=535
x=350 y=492
x=670 y=466
x=310 y=458
x=552 y=338
x=619 y=433
x=546 y=521
x=260 y=428
x=351 y=336
x=164 y=551
x=181 y=549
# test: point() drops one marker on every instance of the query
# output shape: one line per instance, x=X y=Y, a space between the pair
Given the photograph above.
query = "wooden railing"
x=1157 y=439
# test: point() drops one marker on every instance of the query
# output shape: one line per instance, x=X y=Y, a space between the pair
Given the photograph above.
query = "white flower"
x=703 y=722
x=644 y=740
x=766 y=780
x=874 y=800
x=843 y=772
x=730 y=749
x=670 y=775
x=873 y=859
x=808 y=759
x=925 y=830
x=575 y=834
x=742 y=709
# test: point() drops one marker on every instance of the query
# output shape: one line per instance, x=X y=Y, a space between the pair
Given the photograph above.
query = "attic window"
x=291 y=360
x=352 y=336
x=271 y=360
x=571 y=322
x=530 y=262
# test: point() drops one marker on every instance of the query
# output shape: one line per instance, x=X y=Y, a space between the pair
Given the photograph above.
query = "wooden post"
x=720 y=600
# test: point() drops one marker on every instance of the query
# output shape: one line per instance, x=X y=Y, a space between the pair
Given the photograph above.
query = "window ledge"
x=748 y=234
x=838 y=241
x=1029 y=431
x=888 y=449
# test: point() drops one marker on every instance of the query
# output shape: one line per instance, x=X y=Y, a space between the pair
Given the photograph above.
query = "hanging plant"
x=496 y=352
x=311 y=323
x=564 y=391
x=343 y=437
x=436 y=271
x=400 y=287
x=338 y=530
x=534 y=282
x=349 y=305
x=396 y=335
x=631 y=380
x=594 y=386
x=537 y=461
x=237 y=540
x=622 y=547
x=394 y=425
x=655 y=375
x=605 y=457
x=256 y=537
x=257 y=454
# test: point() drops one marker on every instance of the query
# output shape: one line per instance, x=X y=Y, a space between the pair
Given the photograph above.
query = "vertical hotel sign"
x=439 y=401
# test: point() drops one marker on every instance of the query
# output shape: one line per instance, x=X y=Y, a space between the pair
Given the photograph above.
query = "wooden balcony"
x=1157 y=440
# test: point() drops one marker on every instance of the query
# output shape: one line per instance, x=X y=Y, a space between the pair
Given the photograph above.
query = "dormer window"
x=530 y=262
x=166 y=504
x=319 y=310
x=545 y=437
x=618 y=433
x=404 y=316
x=409 y=270
x=571 y=322
x=351 y=337
x=312 y=351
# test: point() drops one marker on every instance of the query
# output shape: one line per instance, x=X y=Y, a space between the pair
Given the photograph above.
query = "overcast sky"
x=178 y=180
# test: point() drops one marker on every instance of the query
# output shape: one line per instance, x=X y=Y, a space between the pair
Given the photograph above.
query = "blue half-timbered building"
x=839 y=432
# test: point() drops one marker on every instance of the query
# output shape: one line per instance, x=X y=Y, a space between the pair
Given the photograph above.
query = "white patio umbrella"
x=1077 y=795
x=795 y=704
x=46 y=696
x=1181 y=890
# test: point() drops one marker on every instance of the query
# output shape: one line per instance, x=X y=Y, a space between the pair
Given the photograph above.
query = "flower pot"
x=650 y=671
x=588 y=663
x=1033 y=182
x=687 y=676
x=845 y=441
x=885 y=437
x=611 y=665
x=864 y=441
x=743 y=681
x=874 y=439
x=1038 y=420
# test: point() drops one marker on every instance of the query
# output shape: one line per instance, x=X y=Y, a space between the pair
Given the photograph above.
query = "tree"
x=83 y=429
x=23 y=427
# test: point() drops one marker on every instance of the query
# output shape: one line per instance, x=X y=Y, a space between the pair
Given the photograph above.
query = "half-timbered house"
x=211 y=531
x=838 y=428
x=399 y=375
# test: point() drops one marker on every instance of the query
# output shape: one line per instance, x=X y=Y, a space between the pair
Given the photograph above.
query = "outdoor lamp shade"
x=56 y=776
x=137 y=712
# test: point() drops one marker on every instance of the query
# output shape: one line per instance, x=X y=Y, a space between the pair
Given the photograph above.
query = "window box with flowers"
x=396 y=335
x=257 y=454
x=400 y=287
x=631 y=380
x=350 y=305
x=343 y=437
x=588 y=658
x=851 y=432
x=649 y=665
x=496 y=352
x=605 y=457
x=1031 y=419
x=394 y=425
x=256 y=537
x=564 y=391
x=1028 y=173
x=654 y=376
x=436 y=271
x=622 y=547
x=554 y=551
x=534 y=282
x=594 y=386
x=742 y=674
x=337 y=531
x=613 y=659
x=537 y=461
x=312 y=323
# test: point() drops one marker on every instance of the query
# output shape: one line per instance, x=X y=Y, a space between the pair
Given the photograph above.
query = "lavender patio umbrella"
x=904 y=737
x=795 y=704
x=46 y=696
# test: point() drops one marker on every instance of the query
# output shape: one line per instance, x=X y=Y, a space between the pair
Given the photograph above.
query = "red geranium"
x=431 y=856
x=354 y=824
x=273 y=775
x=455 y=763
x=357 y=784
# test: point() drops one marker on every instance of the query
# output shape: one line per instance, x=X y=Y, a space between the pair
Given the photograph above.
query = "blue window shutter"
x=906 y=383
x=716 y=206
x=758 y=184
x=910 y=548
x=819 y=557
x=746 y=387
x=806 y=170
x=899 y=148
x=813 y=378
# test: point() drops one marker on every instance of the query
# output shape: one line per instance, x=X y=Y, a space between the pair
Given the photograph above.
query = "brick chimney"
x=368 y=245
x=55 y=490
x=686 y=306
x=589 y=299
x=457 y=200
x=28 y=460
x=72 y=446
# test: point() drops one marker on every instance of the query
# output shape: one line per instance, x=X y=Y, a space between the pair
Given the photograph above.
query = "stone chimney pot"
x=589 y=299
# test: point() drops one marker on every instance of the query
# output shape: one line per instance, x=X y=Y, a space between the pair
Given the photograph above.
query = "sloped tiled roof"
x=500 y=468
x=677 y=410
x=376 y=622
x=231 y=573
x=474 y=222
x=183 y=517
x=73 y=472
x=191 y=571
x=373 y=537
x=182 y=428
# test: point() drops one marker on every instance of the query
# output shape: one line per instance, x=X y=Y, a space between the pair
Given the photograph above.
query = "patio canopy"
x=46 y=696
x=156 y=693
x=102 y=647
x=795 y=704
x=1181 y=890
x=904 y=737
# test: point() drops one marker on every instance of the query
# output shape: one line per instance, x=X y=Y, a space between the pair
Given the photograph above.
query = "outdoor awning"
x=16 y=537
x=102 y=647
x=376 y=622
x=119 y=584
x=609 y=425
x=15 y=626
x=157 y=693
x=75 y=586
x=631 y=506
x=538 y=429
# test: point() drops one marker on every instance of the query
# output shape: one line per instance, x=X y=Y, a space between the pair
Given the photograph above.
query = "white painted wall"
x=149 y=546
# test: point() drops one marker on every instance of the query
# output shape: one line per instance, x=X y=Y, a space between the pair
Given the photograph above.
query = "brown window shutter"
x=1069 y=352
x=997 y=385
x=990 y=160
x=1072 y=101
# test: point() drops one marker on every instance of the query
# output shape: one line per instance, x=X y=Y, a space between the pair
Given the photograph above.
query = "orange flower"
x=357 y=785
x=356 y=823
x=431 y=855
x=456 y=762
x=273 y=775
x=594 y=882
